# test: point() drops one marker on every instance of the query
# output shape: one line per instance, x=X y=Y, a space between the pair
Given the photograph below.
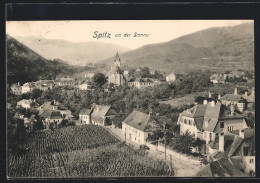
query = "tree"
x=184 y=143
x=36 y=93
x=99 y=79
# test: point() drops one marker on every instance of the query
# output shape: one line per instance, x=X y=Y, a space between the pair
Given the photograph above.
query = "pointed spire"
x=117 y=57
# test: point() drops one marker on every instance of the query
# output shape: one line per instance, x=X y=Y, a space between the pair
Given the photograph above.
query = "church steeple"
x=117 y=60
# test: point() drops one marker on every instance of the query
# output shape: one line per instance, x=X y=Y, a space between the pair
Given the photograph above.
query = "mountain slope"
x=72 y=53
x=219 y=48
x=25 y=65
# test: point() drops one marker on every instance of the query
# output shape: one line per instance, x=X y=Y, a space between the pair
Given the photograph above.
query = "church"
x=115 y=75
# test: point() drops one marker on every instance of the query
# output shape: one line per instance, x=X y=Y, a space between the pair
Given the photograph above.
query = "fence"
x=173 y=153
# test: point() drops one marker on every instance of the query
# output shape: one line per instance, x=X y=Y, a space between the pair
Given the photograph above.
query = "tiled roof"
x=196 y=111
x=250 y=98
x=140 y=121
x=220 y=168
x=85 y=111
x=212 y=112
x=234 y=146
x=100 y=110
x=140 y=80
x=232 y=97
x=55 y=115
x=46 y=113
x=248 y=133
x=225 y=114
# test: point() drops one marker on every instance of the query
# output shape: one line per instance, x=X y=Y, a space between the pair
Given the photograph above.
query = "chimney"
x=53 y=107
x=212 y=103
x=219 y=96
x=54 y=102
x=209 y=95
x=18 y=83
x=97 y=108
x=242 y=134
x=245 y=94
x=235 y=92
x=232 y=109
x=225 y=76
x=221 y=142
x=253 y=91
x=34 y=100
x=205 y=102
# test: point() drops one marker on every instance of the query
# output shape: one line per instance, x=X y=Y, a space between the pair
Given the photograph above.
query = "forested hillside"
x=25 y=65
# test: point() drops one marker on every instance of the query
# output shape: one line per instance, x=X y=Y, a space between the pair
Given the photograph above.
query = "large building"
x=115 y=75
x=207 y=121
x=141 y=83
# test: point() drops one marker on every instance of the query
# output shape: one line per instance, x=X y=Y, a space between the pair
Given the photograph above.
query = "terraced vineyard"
x=80 y=152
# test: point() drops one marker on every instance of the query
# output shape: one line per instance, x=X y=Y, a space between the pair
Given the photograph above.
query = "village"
x=219 y=139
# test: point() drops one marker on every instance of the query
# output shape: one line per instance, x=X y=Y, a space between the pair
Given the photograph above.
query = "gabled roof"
x=100 y=110
x=140 y=121
x=248 y=133
x=195 y=112
x=225 y=114
x=220 y=168
x=212 y=111
x=46 y=113
x=234 y=146
x=250 y=98
x=232 y=97
x=55 y=115
x=85 y=111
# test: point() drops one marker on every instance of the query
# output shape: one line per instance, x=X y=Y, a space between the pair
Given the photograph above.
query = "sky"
x=84 y=31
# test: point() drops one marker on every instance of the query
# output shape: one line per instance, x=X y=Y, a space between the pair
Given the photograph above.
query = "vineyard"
x=81 y=152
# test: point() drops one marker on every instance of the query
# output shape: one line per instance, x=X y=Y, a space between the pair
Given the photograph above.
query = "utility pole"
x=165 y=139
x=125 y=135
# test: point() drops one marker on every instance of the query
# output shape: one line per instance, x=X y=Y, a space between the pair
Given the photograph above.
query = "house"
x=45 y=85
x=27 y=104
x=171 y=77
x=237 y=100
x=85 y=86
x=115 y=75
x=16 y=89
x=85 y=116
x=53 y=105
x=102 y=115
x=28 y=87
x=52 y=117
x=208 y=120
x=140 y=83
x=137 y=126
x=65 y=82
x=218 y=78
x=250 y=99
x=238 y=146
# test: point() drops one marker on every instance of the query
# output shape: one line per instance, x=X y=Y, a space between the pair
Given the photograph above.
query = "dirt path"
x=182 y=168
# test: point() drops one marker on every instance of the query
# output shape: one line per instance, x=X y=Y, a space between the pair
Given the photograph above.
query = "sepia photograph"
x=130 y=98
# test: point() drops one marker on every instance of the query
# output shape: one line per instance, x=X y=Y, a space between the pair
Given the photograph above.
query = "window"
x=251 y=161
x=222 y=124
x=246 y=151
x=189 y=122
x=230 y=128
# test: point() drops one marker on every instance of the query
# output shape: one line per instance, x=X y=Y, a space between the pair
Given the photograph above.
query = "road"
x=181 y=168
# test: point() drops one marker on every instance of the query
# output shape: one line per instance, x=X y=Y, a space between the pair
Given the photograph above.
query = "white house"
x=27 y=103
x=171 y=77
x=27 y=87
x=237 y=100
x=85 y=116
x=141 y=83
x=137 y=126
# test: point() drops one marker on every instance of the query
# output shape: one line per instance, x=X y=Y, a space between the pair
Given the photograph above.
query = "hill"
x=220 y=48
x=73 y=53
x=25 y=65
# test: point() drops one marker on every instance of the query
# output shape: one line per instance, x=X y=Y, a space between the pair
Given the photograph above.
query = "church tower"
x=117 y=61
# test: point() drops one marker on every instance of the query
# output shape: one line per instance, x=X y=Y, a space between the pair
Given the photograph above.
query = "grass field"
x=81 y=152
